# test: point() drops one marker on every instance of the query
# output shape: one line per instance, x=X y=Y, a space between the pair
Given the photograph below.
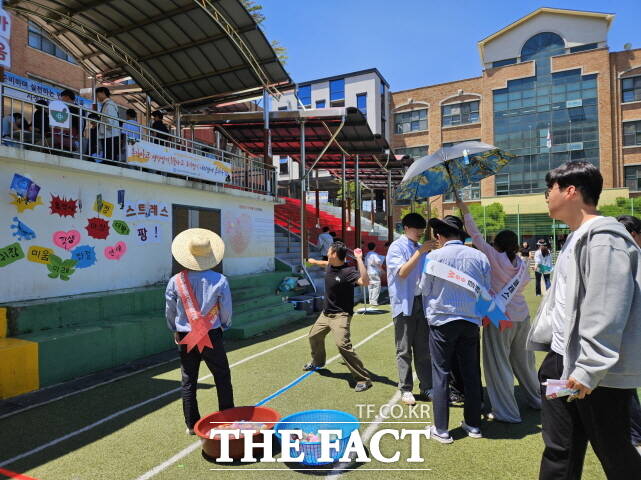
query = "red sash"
x=200 y=324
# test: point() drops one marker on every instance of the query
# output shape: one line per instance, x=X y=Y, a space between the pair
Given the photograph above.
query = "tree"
x=621 y=206
x=491 y=221
x=256 y=11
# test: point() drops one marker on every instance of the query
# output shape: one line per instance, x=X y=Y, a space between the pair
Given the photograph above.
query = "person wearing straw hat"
x=198 y=309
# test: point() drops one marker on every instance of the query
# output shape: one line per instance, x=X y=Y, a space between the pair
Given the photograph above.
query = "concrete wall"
x=246 y=222
x=575 y=30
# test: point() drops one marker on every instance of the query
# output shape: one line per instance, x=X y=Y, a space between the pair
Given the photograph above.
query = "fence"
x=97 y=137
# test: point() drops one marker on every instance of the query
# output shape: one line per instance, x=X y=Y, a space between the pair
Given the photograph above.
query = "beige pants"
x=338 y=324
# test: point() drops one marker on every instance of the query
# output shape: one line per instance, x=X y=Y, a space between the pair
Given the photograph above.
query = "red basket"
x=211 y=447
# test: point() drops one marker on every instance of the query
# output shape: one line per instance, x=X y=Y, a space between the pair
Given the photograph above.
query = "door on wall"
x=185 y=217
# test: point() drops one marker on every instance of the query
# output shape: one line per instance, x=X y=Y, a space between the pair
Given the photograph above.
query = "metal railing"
x=97 y=137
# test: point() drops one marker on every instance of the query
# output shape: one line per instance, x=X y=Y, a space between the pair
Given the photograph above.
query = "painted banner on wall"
x=171 y=160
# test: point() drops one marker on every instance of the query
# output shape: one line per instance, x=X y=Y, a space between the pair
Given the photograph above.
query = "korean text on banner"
x=5 y=35
x=171 y=160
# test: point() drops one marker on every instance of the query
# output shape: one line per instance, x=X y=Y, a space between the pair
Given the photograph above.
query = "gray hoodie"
x=603 y=310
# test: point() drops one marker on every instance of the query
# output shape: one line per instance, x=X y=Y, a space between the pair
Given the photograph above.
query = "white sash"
x=455 y=276
x=506 y=295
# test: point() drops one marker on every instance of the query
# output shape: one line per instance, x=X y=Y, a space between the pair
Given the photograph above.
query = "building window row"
x=633 y=178
x=413 y=152
x=361 y=102
x=413 y=121
x=337 y=93
x=460 y=113
x=39 y=40
x=632 y=133
x=631 y=89
x=542 y=42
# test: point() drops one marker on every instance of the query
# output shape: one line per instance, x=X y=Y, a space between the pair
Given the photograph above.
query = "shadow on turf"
x=350 y=379
x=70 y=419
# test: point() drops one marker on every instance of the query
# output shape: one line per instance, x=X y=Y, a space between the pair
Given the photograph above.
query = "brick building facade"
x=550 y=91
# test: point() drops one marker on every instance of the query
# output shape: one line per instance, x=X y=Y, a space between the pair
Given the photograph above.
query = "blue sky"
x=412 y=42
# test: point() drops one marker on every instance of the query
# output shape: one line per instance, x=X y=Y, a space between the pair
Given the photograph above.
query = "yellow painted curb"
x=19 y=371
x=3 y=322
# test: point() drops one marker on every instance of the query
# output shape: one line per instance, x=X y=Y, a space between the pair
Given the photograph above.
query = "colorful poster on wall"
x=63 y=206
x=23 y=204
x=61 y=268
x=21 y=230
x=147 y=233
x=179 y=162
x=84 y=255
x=10 y=253
x=104 y=208
x=115 y=252
x=66 y=240
x=120 y=227
x=97 y=228
x=39 y=254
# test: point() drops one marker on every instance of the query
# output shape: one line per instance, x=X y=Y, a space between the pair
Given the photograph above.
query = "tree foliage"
x=493 y=220
x=256 y=11
x=621 y=206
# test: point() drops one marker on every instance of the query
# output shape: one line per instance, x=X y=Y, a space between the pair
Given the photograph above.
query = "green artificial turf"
x=129 y=445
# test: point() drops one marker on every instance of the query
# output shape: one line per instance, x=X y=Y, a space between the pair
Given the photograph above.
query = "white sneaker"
x=408 y=398
x=440 y=437
x=472 y=432
x=190 y=431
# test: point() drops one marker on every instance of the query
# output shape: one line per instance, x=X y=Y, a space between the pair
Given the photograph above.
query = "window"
x=414 y=152
x=337 y=93
x=284 y=165
x=631 y=88
x=361 y=102
x=282 y=109
x=633 y=178
x=460 y=113
x=305 y=95
x=320 y=103
x=39 y=40
x=542 y=44
x=583 y=48
x=451 y=144
x=501 y=63
x=631 y=134
x=413 y=121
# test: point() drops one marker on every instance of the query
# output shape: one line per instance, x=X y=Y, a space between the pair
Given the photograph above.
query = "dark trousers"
x=537 y=283
x=455 y=341
x=635 y=420
x=456 y=379
x=112 y=148
x=216 y=360
x=602 y=418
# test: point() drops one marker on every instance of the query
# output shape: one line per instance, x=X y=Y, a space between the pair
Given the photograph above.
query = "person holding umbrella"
x=504 y=352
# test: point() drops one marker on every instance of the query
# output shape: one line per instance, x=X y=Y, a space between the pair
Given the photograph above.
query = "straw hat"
x=198 y=249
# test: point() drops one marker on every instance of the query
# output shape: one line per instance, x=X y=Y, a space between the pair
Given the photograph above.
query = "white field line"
x=133 y=407
x=186 y=451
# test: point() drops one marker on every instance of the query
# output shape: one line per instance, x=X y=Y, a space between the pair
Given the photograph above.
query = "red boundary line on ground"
x=15 y=475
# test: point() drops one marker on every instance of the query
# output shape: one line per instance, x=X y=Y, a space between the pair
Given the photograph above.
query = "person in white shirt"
x=374 y=264
x=325 y=241
x=542 y=266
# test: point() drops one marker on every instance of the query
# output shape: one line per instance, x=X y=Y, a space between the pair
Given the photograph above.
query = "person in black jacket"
x=159 y=125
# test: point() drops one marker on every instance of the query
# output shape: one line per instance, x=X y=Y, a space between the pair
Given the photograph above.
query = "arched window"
x=545 y=44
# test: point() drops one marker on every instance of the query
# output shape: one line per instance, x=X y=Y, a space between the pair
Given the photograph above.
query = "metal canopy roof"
x=247 y=131
x=178 y=51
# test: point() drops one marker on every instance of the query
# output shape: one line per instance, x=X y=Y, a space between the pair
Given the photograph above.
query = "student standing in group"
x=374 y=263
x=198 y=310
x=590 y=323
x=633 y=226
x=109 y=128
x=404 y=260
x=452 y=279
x=325 y=239
x=340 y=280
x=542 y=266
x=504 y=347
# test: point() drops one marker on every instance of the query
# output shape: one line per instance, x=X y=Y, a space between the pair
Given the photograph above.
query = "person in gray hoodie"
x=590 y=323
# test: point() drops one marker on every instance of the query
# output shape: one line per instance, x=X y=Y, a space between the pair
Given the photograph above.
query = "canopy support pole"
x=304 y=246
x=267 y=138
x=317 y=202
x=343 y=196
x=178 y=121
x=357 y=207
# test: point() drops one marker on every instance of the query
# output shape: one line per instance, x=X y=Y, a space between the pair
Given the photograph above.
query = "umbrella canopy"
x=451 y=168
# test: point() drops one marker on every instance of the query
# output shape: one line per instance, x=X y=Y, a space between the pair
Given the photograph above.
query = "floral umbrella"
x=451 y=168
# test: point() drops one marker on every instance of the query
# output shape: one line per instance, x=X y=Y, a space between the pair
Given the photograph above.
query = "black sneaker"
x=310 y=366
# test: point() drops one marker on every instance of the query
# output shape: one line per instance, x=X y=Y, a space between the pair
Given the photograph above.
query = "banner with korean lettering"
x=179 y=162
x=5 y=36
x=39 y=90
